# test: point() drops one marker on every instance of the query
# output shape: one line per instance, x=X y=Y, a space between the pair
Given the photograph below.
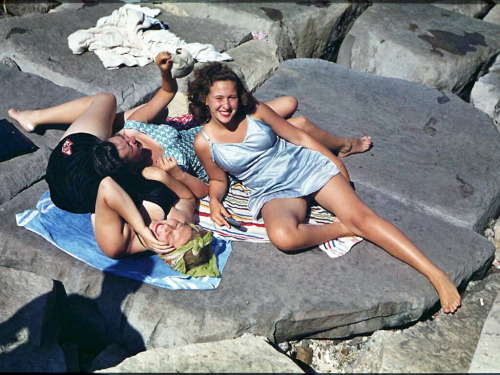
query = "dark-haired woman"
x=282 y=166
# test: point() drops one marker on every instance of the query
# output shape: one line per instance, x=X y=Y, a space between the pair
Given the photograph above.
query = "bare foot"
x=448 y=294
x=356 y=146
x=24 y=118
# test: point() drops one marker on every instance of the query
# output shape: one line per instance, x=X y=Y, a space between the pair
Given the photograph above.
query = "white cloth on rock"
x=125 y=38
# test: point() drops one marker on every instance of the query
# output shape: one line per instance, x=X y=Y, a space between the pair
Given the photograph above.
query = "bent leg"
x=285 y=106
x=341 y=146
x=337 y=196
x=90 y=114
x=285 y=225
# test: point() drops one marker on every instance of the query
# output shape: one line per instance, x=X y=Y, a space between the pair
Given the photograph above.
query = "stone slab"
x=247 y=354
x=28 y=91
x=420 y=43
x=477 y=9
x=38 y=44
x=444 y=344
x=298 y=29
x=493 y=15
x=351 y=294
x=266 y=292
x=485 y=94
x=431 y=150
x=486 y=359
x=27 y=307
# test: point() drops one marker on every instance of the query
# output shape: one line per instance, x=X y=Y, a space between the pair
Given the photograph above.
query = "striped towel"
x=236 y=202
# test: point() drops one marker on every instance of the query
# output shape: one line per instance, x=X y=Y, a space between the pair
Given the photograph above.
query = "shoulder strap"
x=206 y=136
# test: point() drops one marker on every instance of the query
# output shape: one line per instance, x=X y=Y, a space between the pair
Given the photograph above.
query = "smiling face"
x=171 y=231
x=129 y=148
x=223 y=101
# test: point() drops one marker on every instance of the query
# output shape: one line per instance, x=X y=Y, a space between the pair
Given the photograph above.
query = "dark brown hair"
x=200 y=85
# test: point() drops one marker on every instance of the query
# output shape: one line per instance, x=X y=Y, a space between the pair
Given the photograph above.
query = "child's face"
x=171 y=231
x=223 y=101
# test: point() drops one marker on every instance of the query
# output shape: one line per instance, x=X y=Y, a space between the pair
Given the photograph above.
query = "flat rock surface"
x=445 y=344
x=27 y=341
x=486 y=359
x=426 y=141
x=415 y=176
x=420 y=43
x=27 y=91
x=38 y=44
x=247 y=354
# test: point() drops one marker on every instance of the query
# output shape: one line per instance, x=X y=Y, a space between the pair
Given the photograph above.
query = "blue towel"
x=73 y=233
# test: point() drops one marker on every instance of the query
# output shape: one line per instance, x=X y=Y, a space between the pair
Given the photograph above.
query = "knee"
x=283 y=239
x=361 y=220
x=302 y=123
x=106 y=97
x=292 y=103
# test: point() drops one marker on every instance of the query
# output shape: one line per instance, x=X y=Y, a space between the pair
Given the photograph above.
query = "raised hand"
x=169 y=165
x=164 y=61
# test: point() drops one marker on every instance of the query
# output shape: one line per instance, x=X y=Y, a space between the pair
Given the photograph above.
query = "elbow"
x=114 y=252
x=203 y=192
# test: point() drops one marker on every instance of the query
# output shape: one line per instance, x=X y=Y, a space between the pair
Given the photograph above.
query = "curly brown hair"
x=200 y=85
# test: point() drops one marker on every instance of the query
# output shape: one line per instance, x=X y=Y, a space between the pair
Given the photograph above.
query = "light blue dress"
x=270 y=167
x=176 y=143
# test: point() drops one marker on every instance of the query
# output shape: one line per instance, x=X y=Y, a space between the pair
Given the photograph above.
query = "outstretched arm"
x=198 y=187
x=163 y=97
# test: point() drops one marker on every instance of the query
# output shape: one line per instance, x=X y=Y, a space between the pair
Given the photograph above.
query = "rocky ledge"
x=433 y=171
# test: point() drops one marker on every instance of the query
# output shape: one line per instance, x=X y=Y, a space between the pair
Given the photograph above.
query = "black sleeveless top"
x=153 y=191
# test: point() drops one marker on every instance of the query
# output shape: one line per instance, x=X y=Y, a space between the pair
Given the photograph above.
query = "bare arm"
x=184 y=208
x=116 y=220
x=198 y=187
x=296 y=136
x=164 y=96
x=217 y=186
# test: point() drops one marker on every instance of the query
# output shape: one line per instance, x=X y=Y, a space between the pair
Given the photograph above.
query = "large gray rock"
x=28 y=327
x=486 y=359
x=420 y=43
x=493 y=15
x=247 y=354
x=298 y=29
x=485 y=94
x=27 y=91
x=255 y=60
x=477 y=9
x=38 y=44
x=21 y=8
x=426 y=150
x=272 y=298
x=445 y=344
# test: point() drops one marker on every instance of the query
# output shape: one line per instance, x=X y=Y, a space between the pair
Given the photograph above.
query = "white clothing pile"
x=124 y=38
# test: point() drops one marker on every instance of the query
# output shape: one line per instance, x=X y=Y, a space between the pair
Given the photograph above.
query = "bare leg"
x=287 y=230
x=338 y=197
x=339 y=145
x=90 y=114
x=285 y=106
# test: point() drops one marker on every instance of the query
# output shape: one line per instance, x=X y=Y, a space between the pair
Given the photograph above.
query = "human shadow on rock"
x=90 y=325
